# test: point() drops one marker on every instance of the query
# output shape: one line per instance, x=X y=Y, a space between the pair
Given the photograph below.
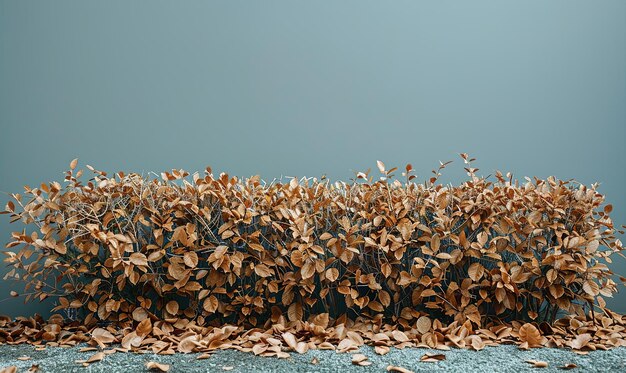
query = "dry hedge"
x=211 y=250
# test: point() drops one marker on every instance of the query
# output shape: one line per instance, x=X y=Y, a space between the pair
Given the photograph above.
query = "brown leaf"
x=476 y=342
x=580 y=341
x=144 y=328
x=138 y=259
x=139 y=314
x=302 y=347
x=191 y=259
x=210 y=304
x=98 y=356
x=591 y=287
x=102 y=335
x=435 y=242
x=358 y=359
x=392 y=368
x=432 y=358
x=400 y=336
x=294 y=312
x=537 y=363
x=423 y=324
x=381 y=166
x=332 y=274
x=290 y=339
x=346 y=344
x=381 y=350
x=172 y=307
x=263 y=270
x=321 y=320
x=131 y=340
x=307 y=270
x=188 y=344
x=475 y=271
x=326 y=236
x=568 y=366
x=530 y=334
x=159 y=367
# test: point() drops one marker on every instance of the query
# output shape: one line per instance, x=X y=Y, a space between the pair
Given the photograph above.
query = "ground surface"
x=491 y=359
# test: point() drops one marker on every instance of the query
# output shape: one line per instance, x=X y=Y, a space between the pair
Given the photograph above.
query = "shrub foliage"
x=215 y=249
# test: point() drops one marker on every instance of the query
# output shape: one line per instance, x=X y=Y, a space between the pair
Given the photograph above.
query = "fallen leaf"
x=381 y=350
x=360 y=359
x=568 y=366
x=228 y=368
x=102 y=336
x=302 y=347
x=290 y=339
x=131 y=340
x=23 y=358
x=144 y=328
x=153 y=365
x=187 y=344
x=259 y=348
x=537 y=363
x=476 y=342
x=432 y=358
x=392 y=368
x=580 y=341
x=98 y=356
x=530 y=334
x=399 y=336
x=346 y=345
x=315 y=361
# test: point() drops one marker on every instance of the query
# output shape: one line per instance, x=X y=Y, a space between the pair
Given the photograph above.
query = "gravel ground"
x=492 y=359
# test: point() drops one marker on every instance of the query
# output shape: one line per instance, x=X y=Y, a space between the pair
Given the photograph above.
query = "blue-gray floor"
x=492 y=359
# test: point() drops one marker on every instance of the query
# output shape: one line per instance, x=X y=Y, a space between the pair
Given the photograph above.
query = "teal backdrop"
x=306 y=88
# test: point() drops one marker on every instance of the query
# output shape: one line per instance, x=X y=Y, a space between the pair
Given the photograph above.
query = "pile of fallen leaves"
x=182 y=263
x=580 y=333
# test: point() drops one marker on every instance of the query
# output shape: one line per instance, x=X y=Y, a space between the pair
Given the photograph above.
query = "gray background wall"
x=306 y=88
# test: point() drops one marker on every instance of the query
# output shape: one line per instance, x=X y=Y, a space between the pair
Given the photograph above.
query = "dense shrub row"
x=214 y=247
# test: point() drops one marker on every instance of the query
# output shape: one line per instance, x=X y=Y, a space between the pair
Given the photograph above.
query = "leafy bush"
x=219 y=249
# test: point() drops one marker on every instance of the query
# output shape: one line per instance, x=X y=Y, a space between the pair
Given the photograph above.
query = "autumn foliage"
x=214 y=249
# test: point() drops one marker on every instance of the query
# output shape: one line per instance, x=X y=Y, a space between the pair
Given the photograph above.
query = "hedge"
x=207 y=249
